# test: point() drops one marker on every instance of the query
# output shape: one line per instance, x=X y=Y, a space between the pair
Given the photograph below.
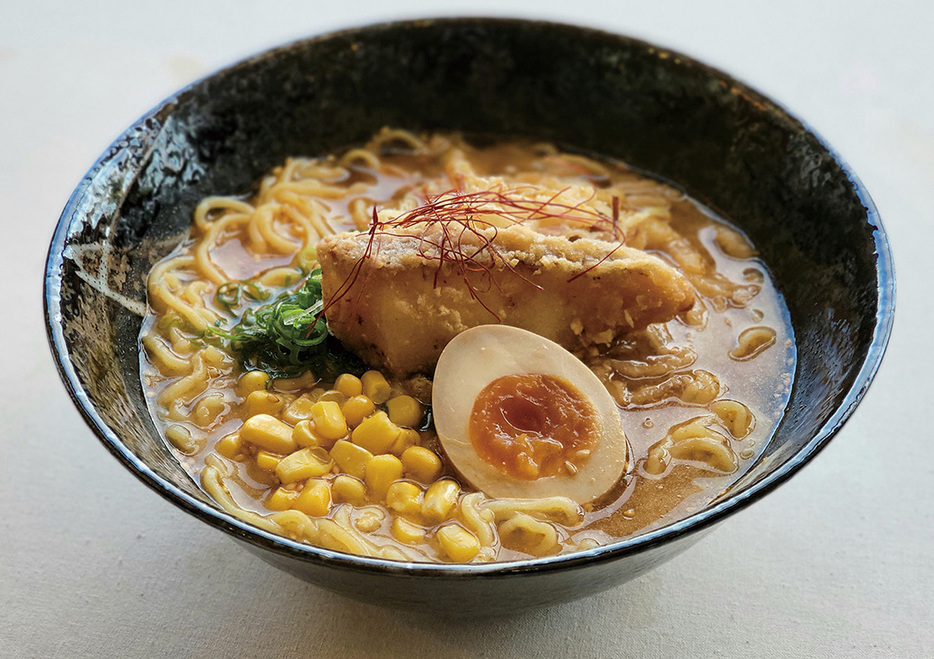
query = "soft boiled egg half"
x=520 y=416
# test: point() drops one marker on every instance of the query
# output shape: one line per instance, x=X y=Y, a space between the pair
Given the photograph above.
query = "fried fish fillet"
x=397 y=308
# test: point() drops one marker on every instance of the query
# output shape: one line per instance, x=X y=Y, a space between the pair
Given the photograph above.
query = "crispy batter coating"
x=404 y=305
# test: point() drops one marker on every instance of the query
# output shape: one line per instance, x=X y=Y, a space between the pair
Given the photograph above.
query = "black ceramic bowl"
x=724 y=143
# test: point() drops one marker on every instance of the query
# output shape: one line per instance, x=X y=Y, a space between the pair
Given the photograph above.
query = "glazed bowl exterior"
x=725 y=144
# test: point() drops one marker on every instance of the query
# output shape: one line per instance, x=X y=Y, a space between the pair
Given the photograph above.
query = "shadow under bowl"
x=725 y=144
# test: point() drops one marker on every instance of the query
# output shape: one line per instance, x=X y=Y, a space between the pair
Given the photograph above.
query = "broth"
x=699 y=394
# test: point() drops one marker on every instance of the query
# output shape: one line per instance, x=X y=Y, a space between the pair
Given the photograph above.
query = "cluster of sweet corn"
x=355 y=443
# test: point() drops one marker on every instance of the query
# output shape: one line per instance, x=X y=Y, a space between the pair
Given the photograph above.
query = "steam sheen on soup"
x=426 y=350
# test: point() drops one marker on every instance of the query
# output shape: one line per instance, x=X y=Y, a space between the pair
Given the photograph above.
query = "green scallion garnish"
x=287 y=336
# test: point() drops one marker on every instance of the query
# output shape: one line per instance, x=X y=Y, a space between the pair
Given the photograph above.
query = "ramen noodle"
x=342 y=452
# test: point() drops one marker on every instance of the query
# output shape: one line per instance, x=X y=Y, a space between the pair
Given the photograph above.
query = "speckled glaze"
x=724 y=143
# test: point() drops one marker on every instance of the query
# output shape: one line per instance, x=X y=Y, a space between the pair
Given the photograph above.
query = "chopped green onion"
x=287 y=336
x=228 y=295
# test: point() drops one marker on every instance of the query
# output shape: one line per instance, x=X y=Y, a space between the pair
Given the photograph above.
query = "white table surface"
x=838 y=562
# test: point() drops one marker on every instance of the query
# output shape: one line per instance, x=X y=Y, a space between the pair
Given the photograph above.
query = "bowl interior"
x=725 y=144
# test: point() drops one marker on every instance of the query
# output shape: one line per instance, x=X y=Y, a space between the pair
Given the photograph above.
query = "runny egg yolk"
x=533 y=425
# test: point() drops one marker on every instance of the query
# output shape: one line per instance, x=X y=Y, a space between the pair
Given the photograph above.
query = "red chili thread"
x=451 y=231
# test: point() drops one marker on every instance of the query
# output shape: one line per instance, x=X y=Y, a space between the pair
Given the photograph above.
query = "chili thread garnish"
x=455 y=229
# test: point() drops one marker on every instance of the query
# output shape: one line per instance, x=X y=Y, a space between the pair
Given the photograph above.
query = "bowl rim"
x=704 y=519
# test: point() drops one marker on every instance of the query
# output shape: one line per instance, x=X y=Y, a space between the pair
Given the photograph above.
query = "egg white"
x=477 y=357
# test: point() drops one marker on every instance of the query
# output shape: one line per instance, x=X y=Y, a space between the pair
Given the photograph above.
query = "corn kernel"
x=252 y=381
x=421 y=464
x=334 y=396
x=404 y=411
x=262 y=402
x=316 y=393
x=406 y=439
x=440 y=500
x=349 y=385
x=356 y=409
x=315 y=499
x=280 y=499
x=304 y=381
x=305 y=436
x=304 y=463
x=269 y=433
x=404 y=498
x=375 y=387
x=376 y=433
x=458 y=543
x=352 y=459
x=407 y=532
x=347 y=489
x=329 y=420
x=230 y=446
x=381 y=472
x=298 y=410
x=267 y=461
